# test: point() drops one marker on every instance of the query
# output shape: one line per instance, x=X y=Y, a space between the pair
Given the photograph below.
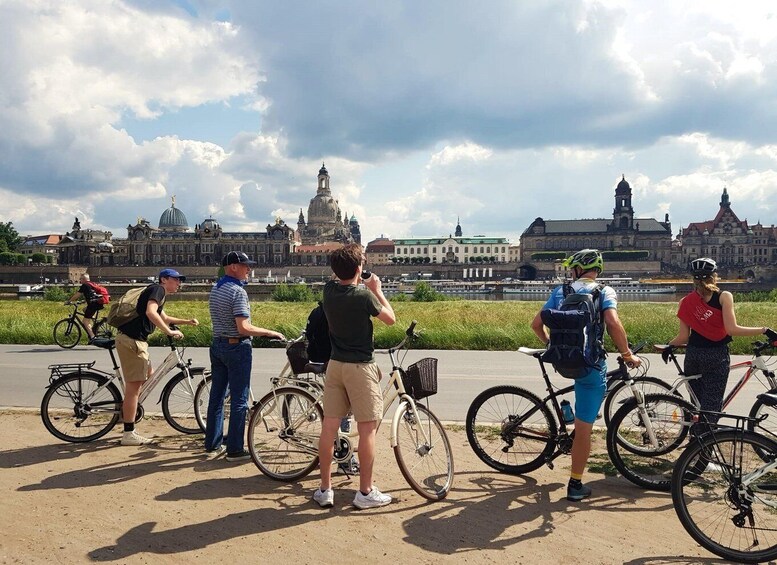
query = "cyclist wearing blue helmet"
x=585 y=266
x=707 y=322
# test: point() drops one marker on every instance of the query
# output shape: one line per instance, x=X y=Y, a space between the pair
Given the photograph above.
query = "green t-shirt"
x=349 y=311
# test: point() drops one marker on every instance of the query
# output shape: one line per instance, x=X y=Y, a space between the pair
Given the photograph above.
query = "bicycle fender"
x=102 y=379
x=395 y=421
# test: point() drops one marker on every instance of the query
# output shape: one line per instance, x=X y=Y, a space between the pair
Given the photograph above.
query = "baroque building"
x=731 y=242
x=622 y=232
x=86 y=246
x=326 y=223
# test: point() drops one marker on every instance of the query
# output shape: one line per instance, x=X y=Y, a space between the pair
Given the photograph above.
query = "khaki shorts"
x=354 y=387
x=133 y=356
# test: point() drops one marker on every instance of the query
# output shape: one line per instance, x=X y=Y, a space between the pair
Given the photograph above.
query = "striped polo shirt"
x=228 y=299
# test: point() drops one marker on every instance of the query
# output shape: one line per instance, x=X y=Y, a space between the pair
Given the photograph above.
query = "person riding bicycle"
x=707 y=323
x=352 y=376
x=585 y=266
x=132 y=345
x=93 y=303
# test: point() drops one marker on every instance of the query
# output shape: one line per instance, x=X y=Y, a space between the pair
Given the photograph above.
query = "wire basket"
x=420 y=378
x=297 y=353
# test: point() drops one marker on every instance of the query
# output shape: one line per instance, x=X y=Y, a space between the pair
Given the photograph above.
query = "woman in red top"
x=707 y=322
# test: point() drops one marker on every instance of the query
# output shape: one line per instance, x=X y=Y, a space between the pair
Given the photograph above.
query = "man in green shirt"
x=352 y=376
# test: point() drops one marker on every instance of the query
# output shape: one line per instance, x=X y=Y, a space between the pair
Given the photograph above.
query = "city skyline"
x=424 y=113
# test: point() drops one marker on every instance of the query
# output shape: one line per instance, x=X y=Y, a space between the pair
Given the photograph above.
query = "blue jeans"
x=230 y=365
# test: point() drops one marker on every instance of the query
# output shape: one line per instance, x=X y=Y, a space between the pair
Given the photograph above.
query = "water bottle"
x=566 y=411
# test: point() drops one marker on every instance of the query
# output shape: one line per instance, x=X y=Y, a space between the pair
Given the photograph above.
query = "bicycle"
x=513 y=431
x=67 y=331
x=285 y=426
x=83 y=403
x=724 y=485
x=649 y=468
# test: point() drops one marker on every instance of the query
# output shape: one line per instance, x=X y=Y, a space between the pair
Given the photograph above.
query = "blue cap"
x=172 y=273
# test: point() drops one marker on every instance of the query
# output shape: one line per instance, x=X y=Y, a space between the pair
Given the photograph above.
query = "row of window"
x=449 y=249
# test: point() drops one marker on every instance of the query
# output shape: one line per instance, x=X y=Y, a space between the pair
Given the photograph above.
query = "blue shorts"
x=589 y=394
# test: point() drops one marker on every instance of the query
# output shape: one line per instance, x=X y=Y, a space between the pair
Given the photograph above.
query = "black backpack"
x=317 y=334
x=576 y=331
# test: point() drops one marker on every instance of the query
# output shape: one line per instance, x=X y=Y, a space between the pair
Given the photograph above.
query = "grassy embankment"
x=458 y=324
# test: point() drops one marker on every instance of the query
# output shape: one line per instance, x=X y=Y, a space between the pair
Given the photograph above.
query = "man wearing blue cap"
x=231 y=357
x=132 y=345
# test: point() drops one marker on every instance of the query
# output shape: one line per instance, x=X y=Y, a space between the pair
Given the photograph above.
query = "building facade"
x=453 y=249
x=731 y=242
x=47 y=244
x=622 y=232
x=380 y=251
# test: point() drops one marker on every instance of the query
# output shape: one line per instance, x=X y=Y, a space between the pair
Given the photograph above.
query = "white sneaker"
x=134 y=438
x=374 y=499
x=324 y=498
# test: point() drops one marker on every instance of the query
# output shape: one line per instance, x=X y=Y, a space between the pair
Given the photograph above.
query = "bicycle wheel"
x=629 y=444
x=80 y=407
x=716 y=503
x=283 y=433
x=102 y=329
x=620 y=393
x=510 y=429
x=178 y=401
x=67 y=333
x=423 y=452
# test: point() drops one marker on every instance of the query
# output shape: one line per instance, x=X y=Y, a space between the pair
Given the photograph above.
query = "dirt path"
x=168 y=503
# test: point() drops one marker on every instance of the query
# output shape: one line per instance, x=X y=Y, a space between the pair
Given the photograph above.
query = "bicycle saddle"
x=316 y=368
x=103 y=342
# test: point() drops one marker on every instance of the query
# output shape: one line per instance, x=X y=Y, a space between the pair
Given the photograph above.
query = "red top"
x=701 y=317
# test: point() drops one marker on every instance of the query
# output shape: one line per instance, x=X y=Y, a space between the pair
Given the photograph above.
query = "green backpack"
x=125 y=309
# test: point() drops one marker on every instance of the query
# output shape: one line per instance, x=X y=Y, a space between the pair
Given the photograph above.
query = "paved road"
x=462 y=374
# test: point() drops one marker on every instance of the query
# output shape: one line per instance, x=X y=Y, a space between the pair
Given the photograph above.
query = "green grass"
x=457 y=324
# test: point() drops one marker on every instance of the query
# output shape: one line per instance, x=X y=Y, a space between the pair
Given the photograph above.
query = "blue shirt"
x=228 y=300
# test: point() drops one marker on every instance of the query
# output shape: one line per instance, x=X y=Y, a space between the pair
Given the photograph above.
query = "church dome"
x=353 y=220
x=623 y=187
x=173 y=219
x=322 y=209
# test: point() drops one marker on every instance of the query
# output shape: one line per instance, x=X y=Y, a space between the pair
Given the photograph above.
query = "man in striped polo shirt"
x=230 y=357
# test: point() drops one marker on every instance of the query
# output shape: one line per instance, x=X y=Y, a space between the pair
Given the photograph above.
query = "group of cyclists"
x=706 y=324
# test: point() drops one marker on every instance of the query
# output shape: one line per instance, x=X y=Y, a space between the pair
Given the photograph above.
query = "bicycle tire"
x=635 y=459
x=492 y=411
x=67 y=333
x=102 y=329
x=707 y=498
x=283 y=433
x=620 y=393
x=178 y=402
x=427 y=473
x=64 y=415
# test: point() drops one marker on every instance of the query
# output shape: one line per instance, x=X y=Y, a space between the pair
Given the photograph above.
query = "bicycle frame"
x=756 y=365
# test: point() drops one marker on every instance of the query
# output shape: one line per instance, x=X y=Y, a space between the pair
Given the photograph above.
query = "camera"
x=366 y=275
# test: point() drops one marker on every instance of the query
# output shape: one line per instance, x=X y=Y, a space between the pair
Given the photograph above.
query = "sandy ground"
x=168 y=503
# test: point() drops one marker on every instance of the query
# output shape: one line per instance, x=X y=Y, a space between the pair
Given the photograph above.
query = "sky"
x=494 y=113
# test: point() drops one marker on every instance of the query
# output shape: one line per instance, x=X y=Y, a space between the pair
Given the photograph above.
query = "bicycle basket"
x=298 y=356
x=420 y=378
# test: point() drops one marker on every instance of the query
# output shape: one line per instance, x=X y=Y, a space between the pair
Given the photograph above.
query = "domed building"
x=173 y=220
x=173 y=244
x=325 y=222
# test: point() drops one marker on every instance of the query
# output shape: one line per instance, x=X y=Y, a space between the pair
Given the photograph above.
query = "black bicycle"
x=514 y=431
x=724 y=487
x=68 y=331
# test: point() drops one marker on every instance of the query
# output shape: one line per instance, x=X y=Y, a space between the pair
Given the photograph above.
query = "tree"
x=9 y=235
x=7 y=258
x=38 y=258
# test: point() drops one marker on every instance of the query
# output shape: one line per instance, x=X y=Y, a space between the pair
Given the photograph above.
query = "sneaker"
x=220 y=450
x=239 y=456
x=575 y=494
x=324 y=498
x=373 y=499
x=134 y=438
x=349 y=468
